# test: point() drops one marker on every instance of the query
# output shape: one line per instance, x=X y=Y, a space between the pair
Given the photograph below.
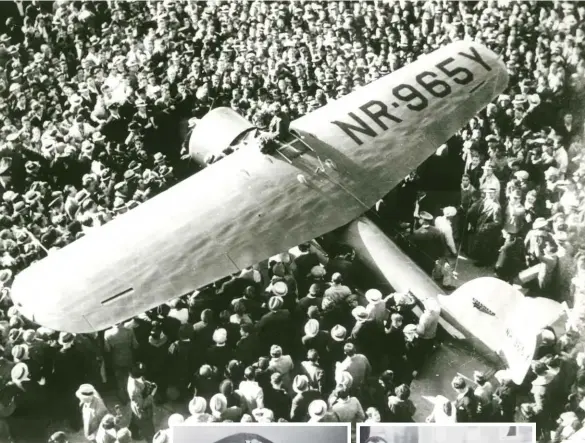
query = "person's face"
x=465 y=181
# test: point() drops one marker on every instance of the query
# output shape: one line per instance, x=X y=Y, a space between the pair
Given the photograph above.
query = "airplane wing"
x=338 y=161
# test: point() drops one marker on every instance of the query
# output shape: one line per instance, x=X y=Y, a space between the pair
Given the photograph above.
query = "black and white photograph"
x=253 y=211
x=463 y=433
x=261 y=433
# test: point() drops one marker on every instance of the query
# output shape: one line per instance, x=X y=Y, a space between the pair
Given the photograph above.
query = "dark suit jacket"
x=466 y=407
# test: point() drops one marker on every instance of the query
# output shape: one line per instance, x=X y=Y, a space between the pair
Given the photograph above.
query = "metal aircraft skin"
x=340 y=159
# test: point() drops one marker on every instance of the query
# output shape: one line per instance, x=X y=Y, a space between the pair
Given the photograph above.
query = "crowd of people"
x=90 y=97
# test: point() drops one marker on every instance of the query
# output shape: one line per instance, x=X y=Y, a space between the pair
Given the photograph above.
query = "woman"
x=93 y=410
x=141 y=393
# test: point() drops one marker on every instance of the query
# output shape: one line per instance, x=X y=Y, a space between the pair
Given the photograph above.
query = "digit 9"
x=407 y=93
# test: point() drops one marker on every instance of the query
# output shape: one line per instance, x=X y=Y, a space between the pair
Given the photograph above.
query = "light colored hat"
x=218 y=403
x=432 y=304
x=161 y=436
x=300 y=383
x=20 y=372
x=424 y=215
x=318 y=271
x=522 y=175
x=175 y=419
x=344 y=378
x=220 y=336
x=197 y=405
x=275 y=303
x=373 y=295
x=449 y=211
x=360 y=313
x=280 y=289
x=539 y=223
x=338 y=333
x=85 y=391
x=410 y=329
x=312 y=328
x=317 y=409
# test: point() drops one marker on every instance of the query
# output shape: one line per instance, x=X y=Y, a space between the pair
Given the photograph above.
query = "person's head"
x=342 y=391
x=458 y=383
x=276 y=379
x=396 y=320
x=207 y=316
x=349 y=349
x=246 y=329
x=373 y=415
x=336 y=278
x=138 y=370
x=275 y=351
x=313 y=355
x=250 y=373
x=402 y=392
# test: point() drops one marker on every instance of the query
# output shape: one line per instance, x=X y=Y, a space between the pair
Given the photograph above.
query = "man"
x=429 y=241
x=120 y=345
x=444 y=224
x=357 y=365
x=302 y=266
x=272 y=325
x=336 y=301
x=465 y=404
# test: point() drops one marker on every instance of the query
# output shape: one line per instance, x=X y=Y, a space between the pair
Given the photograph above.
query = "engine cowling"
x=218 y=130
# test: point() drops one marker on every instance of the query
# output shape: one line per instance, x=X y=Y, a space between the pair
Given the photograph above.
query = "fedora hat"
x=373 y=295
x=300 y=383
x=66 y=338
x=312 y=328
x=85 y=391
x=20 y=373
x=279 y=289
x=338 y=333
x=275 y=303
x=317 y=409
x=360 y=313
x=197 y=405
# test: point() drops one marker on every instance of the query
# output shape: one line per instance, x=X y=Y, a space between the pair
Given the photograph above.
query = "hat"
x=373 y=295
x=161 y=436
x=279 y=289
x=317 y=409
x=539 y=223
x=140 y=103
x=318 y=271
x=263 y=415
x=20 y=372
x=217 y=403
x=58 y=437
x=300 y=383
x=491 y=138
x=522 y=175
x=487 y=165
x=449 y=211
x=65 y=338
x=275 y=303
x=338 y=333
x=20 y=352
x=344 y=378
x=5 y=275
x=197 y=405
x=360 y=313
x=175 y=419
x=424 y=215
x=130 y=174
x=312 y=328
x=159 y=157
x=220 y=336
x=85 y=390
x=410 y=329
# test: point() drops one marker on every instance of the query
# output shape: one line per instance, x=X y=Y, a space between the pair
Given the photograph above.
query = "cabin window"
x=292 y=147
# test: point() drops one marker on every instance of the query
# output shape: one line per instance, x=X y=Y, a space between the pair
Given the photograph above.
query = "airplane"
x=332 y=166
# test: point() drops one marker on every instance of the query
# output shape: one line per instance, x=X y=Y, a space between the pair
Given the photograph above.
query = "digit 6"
x=436 y=87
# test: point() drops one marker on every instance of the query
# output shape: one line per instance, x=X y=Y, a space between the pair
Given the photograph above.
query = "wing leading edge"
x=250 y=206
